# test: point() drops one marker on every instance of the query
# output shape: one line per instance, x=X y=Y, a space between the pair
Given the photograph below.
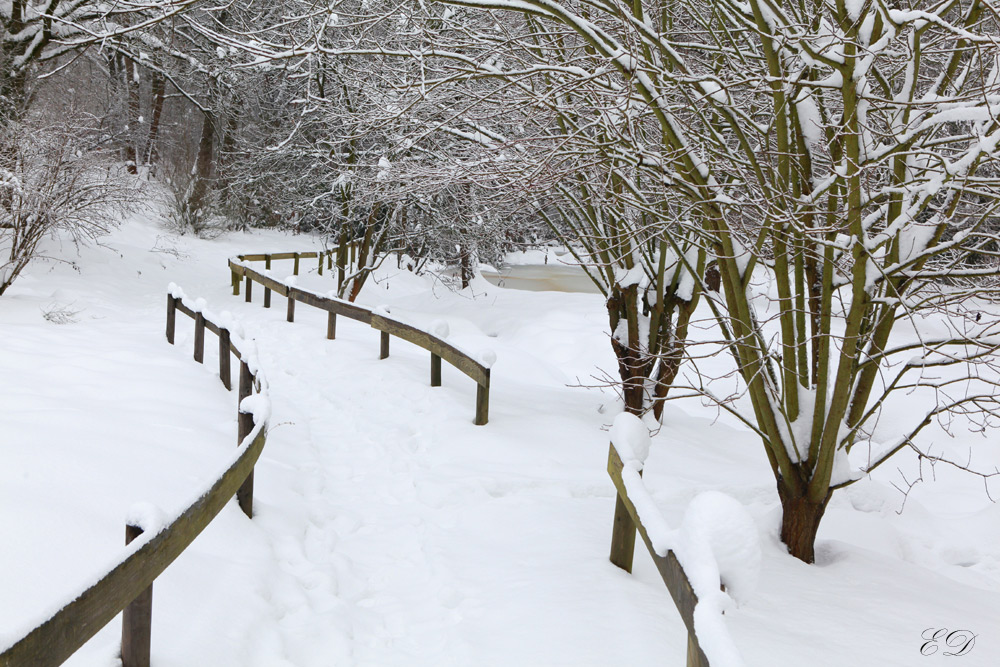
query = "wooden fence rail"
x=128 y=586
x=438 y=348
x=626 y=523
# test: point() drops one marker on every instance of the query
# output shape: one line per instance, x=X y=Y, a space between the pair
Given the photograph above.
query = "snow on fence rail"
x=711 y=561
x=477 y=369
x=152 y=545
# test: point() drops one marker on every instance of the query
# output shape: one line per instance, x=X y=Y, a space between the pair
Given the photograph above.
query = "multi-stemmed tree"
x=845 y=153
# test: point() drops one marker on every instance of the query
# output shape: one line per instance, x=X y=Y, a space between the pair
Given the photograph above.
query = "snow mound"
x=630 y=438
x=257 y=405
x=718 y=543
x=147 y=516
x=440 y=329
x=719 y=538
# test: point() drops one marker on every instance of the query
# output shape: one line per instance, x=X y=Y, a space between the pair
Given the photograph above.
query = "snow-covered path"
x=390 y=530
x=404 y=534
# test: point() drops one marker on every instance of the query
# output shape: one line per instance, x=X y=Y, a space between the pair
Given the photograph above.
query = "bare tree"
x=845 y=152
x=326 y=144
x=54 y=181
x=49 y=163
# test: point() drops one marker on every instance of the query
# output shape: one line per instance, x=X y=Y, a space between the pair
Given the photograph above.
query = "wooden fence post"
x=622 y=536
x=137 y=620
x=694 y=653
x=267 y=290
x=244 y=424
x=224 y=374
x=383 y=351
x=199 y=337
x=290 y=313
x=435 y=370
x=320 y=253
x=171 y=317
x=482 y=403
x=236 y=284
x=329 y=259
x=249 y=296
x=295 y=271
x=331 y=325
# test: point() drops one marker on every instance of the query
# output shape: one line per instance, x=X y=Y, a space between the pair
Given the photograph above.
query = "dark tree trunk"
x=158 y=95
x=666 y=373
x=342 y=252
x=133 y=133
x=466 y=269
x=203 y=168
x=633 y=365
x=800 y=518
x=227 y=154
x=14 y=82
x=13 y=96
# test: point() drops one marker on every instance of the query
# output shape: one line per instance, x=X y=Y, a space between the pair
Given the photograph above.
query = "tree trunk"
x=367 y=253
x=227 y=155
x=633 y=365
x=466 y=270
x=202 y=170
x=800 y=520
x=342 y=253
x=132 y=133
x=158 y=95
x=13 y=97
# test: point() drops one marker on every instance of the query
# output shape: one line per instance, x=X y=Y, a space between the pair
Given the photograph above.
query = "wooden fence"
x=439 y=349
x=128 y=586
x=626 y=523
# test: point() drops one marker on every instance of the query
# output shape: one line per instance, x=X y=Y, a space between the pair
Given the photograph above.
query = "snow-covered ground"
x=392 y=531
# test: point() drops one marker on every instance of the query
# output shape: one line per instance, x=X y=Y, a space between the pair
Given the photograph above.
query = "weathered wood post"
x=290 y=312
x=622 y=535
x=244 y=425
x=694 y=654
x=249 y=298
x=329 y=259
x=137 y=620
x=267 y=290
x=171 y=317
x=670 y=569
x=236 y=284
x=383 y=351
x=224 y=374
x=483 y=402
x=295 y=271
x=331 y=325
x=320 y=253
x=435 y=370
x=199 y=337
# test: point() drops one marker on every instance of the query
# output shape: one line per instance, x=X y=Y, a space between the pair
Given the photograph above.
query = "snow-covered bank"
x=390 y=530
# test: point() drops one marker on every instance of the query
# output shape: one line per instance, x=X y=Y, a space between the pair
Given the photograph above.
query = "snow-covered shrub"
x=53 y=180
